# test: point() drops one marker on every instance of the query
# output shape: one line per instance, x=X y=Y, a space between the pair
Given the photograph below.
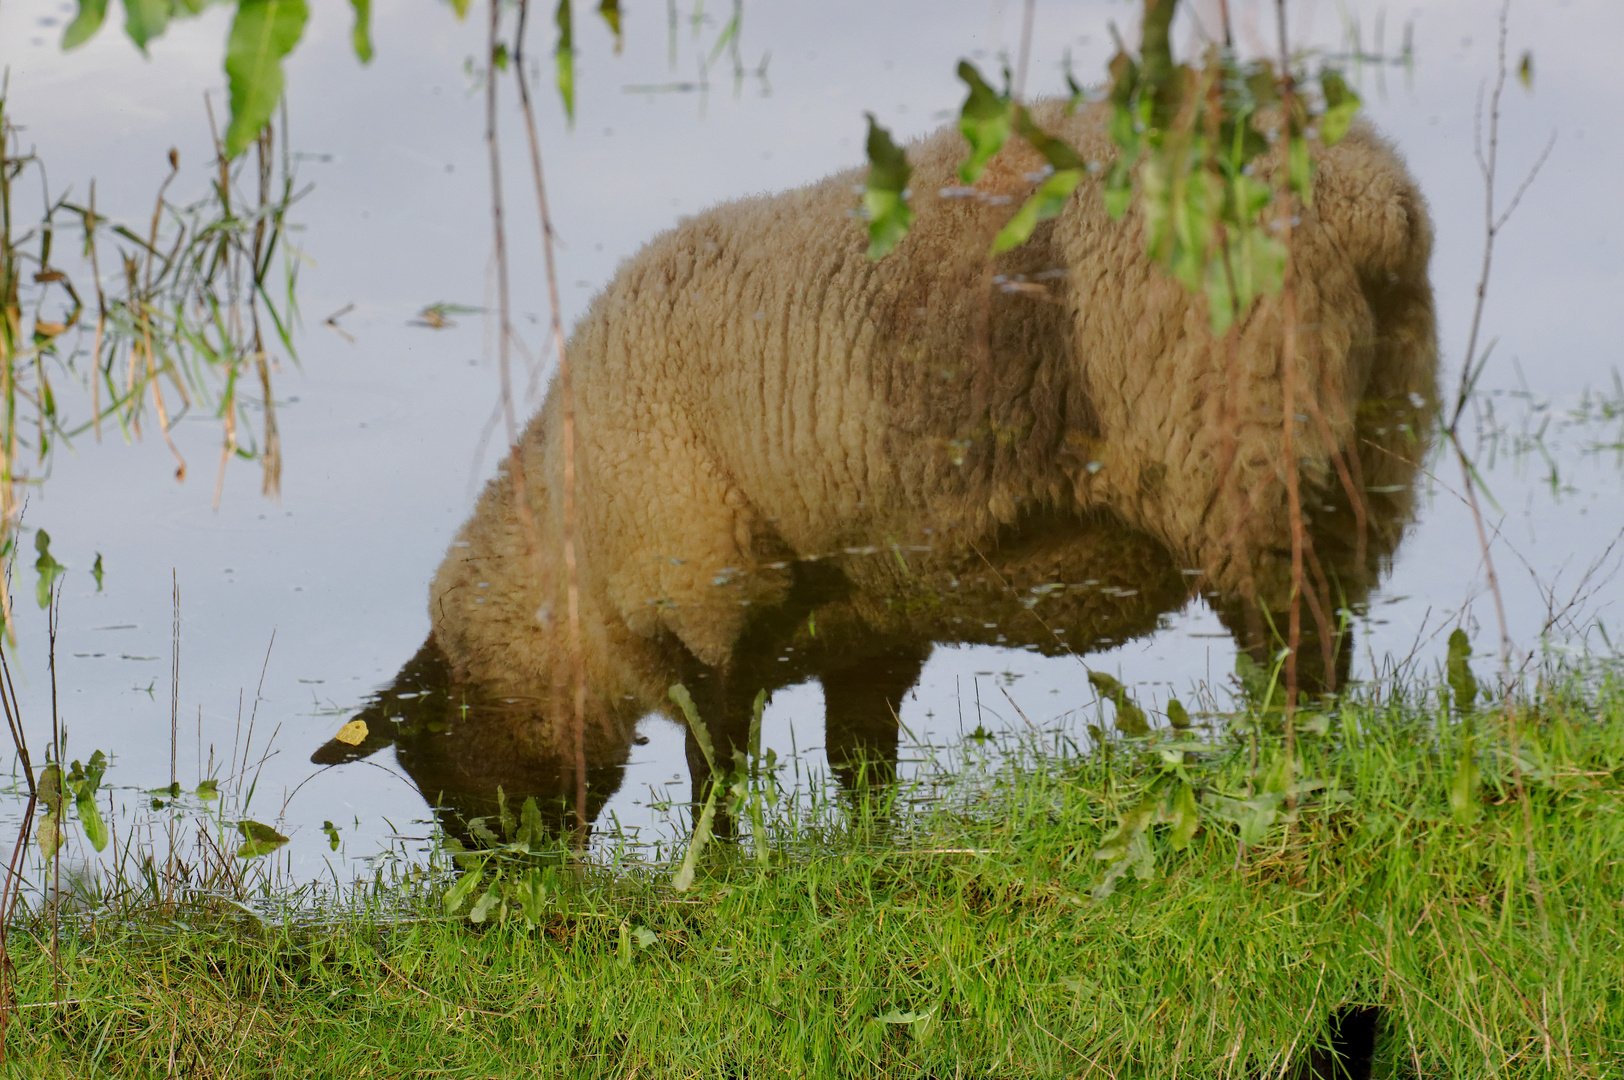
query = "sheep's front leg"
x=678 y=545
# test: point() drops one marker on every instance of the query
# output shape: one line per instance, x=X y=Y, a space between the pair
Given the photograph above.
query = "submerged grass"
x=959 y=941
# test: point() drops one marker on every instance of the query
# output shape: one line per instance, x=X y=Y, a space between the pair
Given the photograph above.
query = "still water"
x=383 y=424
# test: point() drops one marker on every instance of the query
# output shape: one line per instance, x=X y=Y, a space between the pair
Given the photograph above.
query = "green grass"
x=962 y=941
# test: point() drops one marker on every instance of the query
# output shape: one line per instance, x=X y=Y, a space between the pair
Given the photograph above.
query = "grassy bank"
x=1473 y=895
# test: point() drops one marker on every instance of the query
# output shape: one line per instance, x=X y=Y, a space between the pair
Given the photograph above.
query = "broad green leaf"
x=208 y=789
x=757 y=709
x=1135 y=821
x=90 y=818
x=532 y=832
x=1465 y=806
x=1301 y=169
x=1118 y=192
x=263 y=33
x=984 y=119
x=885 y=199
x=1254 y=815
x=897 y=1016
x=531 y=893
x=49 y=835
x=1045 y=203
x=684 y=878
x=460 y=7
x=1185 y=815
x=1462 y=683
x=610 y=10
x=258 y=839
x=145 y=20
x=679 y=694
x=1074 y=91
x=459 y=893
x=83 y=781
x=482 y=906
x=1177 y=716
x=47 y=567
x=1254 y=262
x=361 y=36
x=1057 y=152
x=85 y=24
x=332 y=834
x=1341 y=106
x=50 y=788
x=564 y=56
x=504 y=816
x=1130 y=718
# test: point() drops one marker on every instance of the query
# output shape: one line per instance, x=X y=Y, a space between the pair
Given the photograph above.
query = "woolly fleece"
x=751 y=390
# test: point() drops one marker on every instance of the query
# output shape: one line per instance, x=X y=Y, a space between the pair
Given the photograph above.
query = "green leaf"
x=757 y=709
x=679 y=694
x=258 y=839
x=1525 y=70
x=985 y=121
x=1254 y=815
x=1462 y=683
x=49 y=834
x=361 y=36
x=459 y=893
x=208 y=790
x=897 y=1016
x=460 y=7
x=623 y=946
x=1301 y=169
x=1118 y=192
x=47 y=567
x=684 y=878
x=1074 y=91
x=262 y=34
x=1177 y=716
x=332 y=834
x=85 y=24
x=50 y=788
x=564 y=57
x=90 y=818
x=1045 y=203
x=97 y=572
x=531 y=893
x=1185 y=815
x=886 y=197
x=610 y=11
x=145 y=20
x=1341 y=106
x=532 y=833
x=1465 y=806
x=1130 y=718
x=482 y=906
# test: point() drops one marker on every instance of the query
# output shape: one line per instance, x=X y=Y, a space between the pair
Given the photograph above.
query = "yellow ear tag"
x=353 y=733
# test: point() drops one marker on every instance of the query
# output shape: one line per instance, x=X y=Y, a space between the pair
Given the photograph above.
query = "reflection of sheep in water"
x=751 y=390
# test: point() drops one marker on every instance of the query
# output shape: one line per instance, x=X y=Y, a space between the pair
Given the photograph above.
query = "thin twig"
x=566 y=396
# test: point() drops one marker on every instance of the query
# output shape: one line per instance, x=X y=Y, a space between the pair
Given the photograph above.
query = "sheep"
x=751 y=391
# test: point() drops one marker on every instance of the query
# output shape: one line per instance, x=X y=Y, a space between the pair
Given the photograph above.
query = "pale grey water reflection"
x=381 y=435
